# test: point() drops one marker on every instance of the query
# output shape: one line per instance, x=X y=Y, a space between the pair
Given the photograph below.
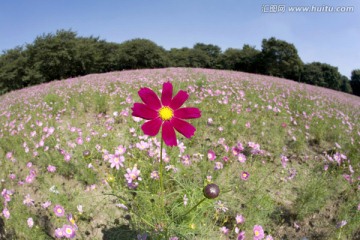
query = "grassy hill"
x=298 y=144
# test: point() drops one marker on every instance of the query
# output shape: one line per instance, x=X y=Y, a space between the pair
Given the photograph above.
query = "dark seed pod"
x=211 y=191
x=86 y=153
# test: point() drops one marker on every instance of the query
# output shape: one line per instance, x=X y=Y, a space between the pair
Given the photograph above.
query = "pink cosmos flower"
x=154 y=175
x=120 y=150
x=165 y=113
x=79 y=141
x=211 y=155
x=224 y=230
x=12 y=176
x=132 y=174
x=68 y=231
x=59 y=210
x=6 y=195
x=46 y=204
x=30 y=222
x=28 y=201
x=241 y=158
x=244 y=175
x=59 y=233
x=258 y=232
x=51 y=168
x=6 y=213
x=239 y=219
x=116 y=161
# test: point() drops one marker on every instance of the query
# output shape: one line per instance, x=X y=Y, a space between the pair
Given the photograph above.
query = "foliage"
x=240 y=60
x=141 y=53
x=64 y=54
x=355 y=81
x=280 y=59
x=324 y=75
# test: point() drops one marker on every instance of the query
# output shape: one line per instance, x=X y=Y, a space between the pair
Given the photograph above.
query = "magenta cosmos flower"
x=165 y=113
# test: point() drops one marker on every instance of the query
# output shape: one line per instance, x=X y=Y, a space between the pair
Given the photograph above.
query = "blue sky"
x=329 y=37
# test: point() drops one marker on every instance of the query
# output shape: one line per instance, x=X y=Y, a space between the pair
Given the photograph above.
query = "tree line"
x=64 y=54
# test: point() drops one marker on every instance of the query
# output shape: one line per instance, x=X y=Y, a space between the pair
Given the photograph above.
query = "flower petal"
x=166 y=94
x=187 y=113
x=143 y=111
x=179 y=99
x=150 y=98
x=152 y=127
x=183 y=127
x=168 y=134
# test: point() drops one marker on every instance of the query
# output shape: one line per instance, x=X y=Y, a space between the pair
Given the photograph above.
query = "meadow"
x=285 y=155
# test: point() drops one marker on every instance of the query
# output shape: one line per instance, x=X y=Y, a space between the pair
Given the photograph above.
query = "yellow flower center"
x=68 y=230
x=166 y=113
x=257 y=233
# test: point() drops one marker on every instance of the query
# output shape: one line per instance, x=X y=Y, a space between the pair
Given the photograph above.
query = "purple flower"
x=284 y=160
x=241 y=236
x=68 y=231
x=59 y=210
x=218 y=166
x=269 y=237
x=341 y=224
x=72 y=221
x=258 y=232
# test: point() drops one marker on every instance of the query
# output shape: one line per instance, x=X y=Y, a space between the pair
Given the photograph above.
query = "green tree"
x=179 y=57
x=355 y=81
x=212 y=51
x=12 y=69
x=244 y=59
x=279 y=58
x=231 y=59
x=141 y=53
x=53 y=56
x=321 y=74
x=345 y=85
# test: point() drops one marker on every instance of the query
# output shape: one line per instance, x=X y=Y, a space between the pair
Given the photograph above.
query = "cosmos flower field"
x=76 y=164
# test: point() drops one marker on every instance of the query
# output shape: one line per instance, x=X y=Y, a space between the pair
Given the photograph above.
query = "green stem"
x=161 y=168
x=191 y=208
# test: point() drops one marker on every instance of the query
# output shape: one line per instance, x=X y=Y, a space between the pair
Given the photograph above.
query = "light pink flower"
x=30 y=222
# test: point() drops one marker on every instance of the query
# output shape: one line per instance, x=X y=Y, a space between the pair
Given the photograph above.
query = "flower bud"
x=86 y=154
